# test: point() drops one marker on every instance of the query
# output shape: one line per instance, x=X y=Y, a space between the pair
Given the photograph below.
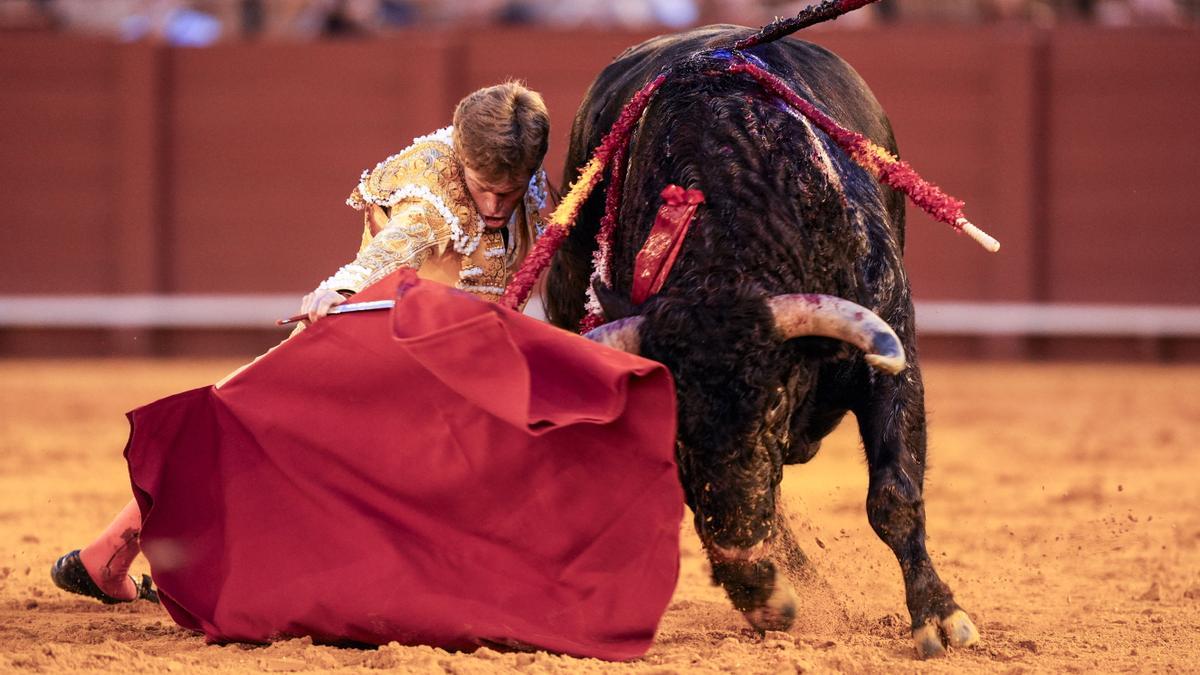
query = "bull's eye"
x=775 y=428
x=779 y=405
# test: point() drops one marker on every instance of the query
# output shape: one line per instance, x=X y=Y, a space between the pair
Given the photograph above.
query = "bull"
x=787 y=306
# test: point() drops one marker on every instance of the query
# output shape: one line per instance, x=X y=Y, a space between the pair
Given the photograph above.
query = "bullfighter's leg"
x=107 y=559
x=893 y=432
x=737 y=522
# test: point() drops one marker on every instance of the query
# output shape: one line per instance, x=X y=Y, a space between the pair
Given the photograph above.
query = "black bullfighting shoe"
x=70 y=575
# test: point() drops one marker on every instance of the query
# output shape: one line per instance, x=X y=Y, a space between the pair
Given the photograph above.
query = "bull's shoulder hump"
x=673 y=46
x=803 y=54
x=636 y=65
x=833 y=82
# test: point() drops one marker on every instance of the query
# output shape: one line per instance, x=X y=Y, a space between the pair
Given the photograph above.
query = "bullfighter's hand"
x=318 y=303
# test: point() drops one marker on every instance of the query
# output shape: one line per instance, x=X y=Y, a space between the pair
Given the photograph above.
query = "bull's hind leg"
x=893 y=431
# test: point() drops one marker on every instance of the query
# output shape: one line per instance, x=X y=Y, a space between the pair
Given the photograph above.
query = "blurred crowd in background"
x=203 y=22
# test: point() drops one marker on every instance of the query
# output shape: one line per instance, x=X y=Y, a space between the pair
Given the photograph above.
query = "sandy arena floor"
x=1063 y=501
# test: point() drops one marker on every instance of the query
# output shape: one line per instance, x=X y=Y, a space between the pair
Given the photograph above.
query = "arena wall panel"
x=57 y=164
x=267 y=141
x=1123 y=166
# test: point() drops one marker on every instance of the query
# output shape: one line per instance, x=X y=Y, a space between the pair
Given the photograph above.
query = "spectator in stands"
x=1137 y=12
x=202 y=22
x=759 y=12
x=26 y=15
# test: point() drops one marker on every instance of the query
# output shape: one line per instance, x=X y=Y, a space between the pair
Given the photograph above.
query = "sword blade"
x=344 y=309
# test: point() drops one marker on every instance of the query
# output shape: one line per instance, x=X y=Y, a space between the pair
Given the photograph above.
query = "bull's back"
x=812 y=71
x=816 y=73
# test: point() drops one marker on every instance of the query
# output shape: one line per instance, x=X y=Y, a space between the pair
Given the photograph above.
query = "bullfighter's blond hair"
x=502 y=131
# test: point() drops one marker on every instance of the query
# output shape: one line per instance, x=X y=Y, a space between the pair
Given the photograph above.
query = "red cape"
x=452 y=474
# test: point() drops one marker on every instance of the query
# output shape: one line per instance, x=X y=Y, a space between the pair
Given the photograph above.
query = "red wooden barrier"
x=58 y=164
x=267 y=141
x=1123 y=167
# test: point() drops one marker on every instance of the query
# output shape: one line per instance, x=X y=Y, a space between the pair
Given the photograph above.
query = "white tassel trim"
x=490 y=290
x=351 y=277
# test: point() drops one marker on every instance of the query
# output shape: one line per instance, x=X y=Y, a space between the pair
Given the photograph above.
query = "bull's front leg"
x=893 y=430
x=735 y=509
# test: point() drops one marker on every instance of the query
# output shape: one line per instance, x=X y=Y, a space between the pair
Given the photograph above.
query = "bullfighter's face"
x=495 y=199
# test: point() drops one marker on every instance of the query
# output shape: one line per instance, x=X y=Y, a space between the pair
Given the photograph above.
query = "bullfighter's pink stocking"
x=108 y=558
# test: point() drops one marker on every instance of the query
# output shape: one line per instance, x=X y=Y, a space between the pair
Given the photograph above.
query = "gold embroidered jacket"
x=418 y=213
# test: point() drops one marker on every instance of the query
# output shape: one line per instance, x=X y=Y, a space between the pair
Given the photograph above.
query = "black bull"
x=786 y=212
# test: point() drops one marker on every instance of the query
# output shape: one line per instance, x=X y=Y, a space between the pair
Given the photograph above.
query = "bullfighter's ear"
x=615 y=306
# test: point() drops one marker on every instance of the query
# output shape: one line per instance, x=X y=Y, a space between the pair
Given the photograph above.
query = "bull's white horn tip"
x=892 y=365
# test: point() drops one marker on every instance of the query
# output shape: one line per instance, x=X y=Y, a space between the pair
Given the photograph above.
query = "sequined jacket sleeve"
x=414 y=231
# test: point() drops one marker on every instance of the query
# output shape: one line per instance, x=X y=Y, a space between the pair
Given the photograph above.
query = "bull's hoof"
x=928 y=642
x=958 y=630
x=778 y=612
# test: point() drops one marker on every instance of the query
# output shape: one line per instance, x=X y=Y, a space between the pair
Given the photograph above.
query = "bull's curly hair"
x=774 y=222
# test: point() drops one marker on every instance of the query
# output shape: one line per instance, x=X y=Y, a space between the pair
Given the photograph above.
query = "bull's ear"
x=614 y=304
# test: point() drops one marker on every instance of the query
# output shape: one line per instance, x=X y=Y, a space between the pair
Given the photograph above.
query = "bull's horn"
x=621 y=334
x=802 y=314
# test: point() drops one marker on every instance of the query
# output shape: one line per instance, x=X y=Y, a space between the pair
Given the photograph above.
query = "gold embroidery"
x=432 y=210
x=493 y=270
x=427 y=169
x=657 y=245
x=404 y=242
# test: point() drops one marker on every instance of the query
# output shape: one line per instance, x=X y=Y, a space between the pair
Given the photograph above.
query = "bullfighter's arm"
x=411 y=234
